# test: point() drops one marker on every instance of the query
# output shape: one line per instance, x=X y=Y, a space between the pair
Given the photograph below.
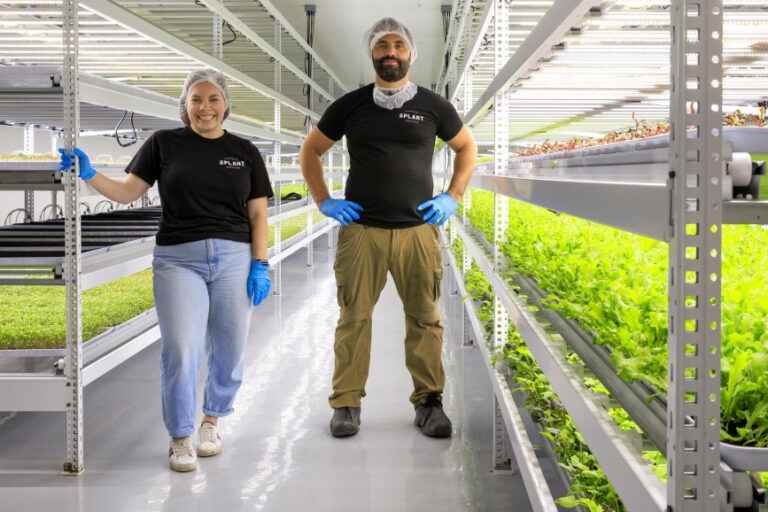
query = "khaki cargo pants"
x=364 y=256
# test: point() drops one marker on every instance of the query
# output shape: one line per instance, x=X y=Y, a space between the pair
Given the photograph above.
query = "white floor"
x=279 y=455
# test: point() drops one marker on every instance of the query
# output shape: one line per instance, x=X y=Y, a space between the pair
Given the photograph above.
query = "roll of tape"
x=740 y=169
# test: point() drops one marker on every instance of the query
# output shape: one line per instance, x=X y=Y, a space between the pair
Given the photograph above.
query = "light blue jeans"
x=202 y=303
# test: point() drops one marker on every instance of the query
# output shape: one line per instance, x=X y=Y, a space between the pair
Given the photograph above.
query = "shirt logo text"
x=232 y=163
x=411 y=118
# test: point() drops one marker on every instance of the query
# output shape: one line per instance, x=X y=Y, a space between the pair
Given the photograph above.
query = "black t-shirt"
x=390 y=152
x=204 y=184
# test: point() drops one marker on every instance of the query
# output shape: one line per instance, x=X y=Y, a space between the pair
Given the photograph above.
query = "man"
x=389 y=221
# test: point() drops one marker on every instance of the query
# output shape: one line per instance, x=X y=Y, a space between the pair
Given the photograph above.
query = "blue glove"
x=346 y=212
x=87 y=172
x=438 y=209
x=258 y=282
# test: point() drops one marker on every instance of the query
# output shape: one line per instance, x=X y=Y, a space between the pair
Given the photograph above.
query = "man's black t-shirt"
x=204 y=184
x=391 y=152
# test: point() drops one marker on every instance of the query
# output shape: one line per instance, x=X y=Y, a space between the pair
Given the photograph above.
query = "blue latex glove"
x=346 y=212
x=438 y=209
x=258 y=282
x=87 y=172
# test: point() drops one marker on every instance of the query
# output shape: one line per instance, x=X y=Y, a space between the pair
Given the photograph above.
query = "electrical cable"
x=234 y=34
x=307 y=90
x=226 y=24
x=130 y=140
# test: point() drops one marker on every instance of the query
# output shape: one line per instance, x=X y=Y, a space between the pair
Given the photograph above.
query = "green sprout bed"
x=33 y=317
x=614 y=284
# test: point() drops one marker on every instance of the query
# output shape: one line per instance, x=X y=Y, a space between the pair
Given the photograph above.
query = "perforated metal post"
x=451 y=161
x=277 y=162
x=501 y=210
x=74 y=338
x=310 y=10
x=29 y=139
x=693 y=425
x=467 y=199
x=310 y=221
x=54 y=205
x=29 y=205
x=502 y=452
x=54 y=150
x=330 y=191
x=501 y=153
x=468 y=98
x=29 y=195
x=452 y=231
x=308 y=230
x=344 y=168
x=218 y=37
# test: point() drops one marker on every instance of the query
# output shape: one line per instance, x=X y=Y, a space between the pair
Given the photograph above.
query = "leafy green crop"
x=614 y=284
x=33 y=316
x=590 y=488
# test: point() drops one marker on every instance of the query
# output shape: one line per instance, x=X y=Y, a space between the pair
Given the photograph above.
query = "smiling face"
x=391 y=58
x=205 y=109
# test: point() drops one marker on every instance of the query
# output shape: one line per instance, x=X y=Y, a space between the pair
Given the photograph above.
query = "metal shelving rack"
x=544 y=87
x=116 y=58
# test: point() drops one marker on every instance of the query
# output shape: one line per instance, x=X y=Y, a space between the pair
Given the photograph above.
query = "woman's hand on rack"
x=123 y=191
x=258 y=281
x=87 y=172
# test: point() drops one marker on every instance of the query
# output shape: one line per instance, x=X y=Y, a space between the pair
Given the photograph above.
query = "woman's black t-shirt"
x=204 y=184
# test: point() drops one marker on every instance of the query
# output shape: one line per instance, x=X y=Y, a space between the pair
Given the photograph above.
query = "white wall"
x=12 y=140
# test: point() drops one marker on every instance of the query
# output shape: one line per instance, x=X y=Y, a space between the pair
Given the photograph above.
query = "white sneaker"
x=210 y=440
x=181 y=455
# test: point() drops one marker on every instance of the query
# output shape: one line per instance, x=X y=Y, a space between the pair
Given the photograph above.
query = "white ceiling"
x=340 y=25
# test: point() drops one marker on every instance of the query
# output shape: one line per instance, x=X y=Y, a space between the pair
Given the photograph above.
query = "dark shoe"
x=345 y=421
x=431 y=419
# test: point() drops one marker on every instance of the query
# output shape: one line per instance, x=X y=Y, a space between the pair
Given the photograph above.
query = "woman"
x=210 y=261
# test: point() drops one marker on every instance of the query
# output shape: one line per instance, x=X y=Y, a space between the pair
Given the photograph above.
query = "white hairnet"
x=390 y=26
x=202 y=75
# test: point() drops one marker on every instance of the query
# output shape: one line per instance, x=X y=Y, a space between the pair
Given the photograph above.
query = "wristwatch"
x=264 y=262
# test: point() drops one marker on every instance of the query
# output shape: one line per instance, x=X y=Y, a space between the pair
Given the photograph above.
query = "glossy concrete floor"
x=279 y=455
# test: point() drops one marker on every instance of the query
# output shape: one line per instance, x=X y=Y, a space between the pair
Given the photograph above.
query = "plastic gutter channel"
x=535 y=482
x=645 y=408
x=640 y=490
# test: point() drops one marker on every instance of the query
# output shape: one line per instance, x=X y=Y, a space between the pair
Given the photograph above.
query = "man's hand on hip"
x=346 y=212
x=438 y=209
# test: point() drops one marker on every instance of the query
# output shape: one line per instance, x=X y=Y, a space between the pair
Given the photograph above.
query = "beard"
x=391 y=73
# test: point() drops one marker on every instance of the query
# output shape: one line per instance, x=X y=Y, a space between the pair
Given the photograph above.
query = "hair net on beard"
x=389 y=26
x=202 y=75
